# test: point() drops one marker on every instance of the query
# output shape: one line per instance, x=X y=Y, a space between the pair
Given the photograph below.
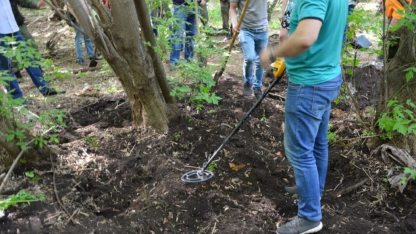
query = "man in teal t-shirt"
x=313 y=54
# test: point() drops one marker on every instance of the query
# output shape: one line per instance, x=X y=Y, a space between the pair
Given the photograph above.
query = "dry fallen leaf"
x=237 y=166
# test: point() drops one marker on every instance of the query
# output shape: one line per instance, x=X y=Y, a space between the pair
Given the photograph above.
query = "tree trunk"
x=117 y=34
x=10 y=149
x=395 y=84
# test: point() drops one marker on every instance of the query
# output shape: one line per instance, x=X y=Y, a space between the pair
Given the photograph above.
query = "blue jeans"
x=34 y=72
x=252 y=42
x=184 y=29
x=307 y=112
x=89 y=46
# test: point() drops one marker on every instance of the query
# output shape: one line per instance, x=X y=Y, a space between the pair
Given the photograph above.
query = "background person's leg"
x=176 y=39
x=79 y=39
x=89 y=46
x=261 y=41
x=225 y=8
x=190 y=32
x=247 y=45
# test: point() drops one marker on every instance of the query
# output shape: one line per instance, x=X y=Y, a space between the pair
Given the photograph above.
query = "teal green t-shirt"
x=321 y=62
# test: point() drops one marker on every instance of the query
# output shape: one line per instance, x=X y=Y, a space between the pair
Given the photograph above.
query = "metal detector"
x=202 y=174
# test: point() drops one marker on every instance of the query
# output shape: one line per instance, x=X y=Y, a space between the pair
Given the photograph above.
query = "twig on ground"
x=72 y=216
x=363 y=171
x=355 y=138
x=351 y=188
x=214 y=229
x=340 y=182
x=36 y=20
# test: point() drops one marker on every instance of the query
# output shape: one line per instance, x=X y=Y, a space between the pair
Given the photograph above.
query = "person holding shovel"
x=312 y=54
x=253 y=37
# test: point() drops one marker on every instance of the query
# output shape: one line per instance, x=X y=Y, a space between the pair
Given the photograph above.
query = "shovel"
x=219 y=73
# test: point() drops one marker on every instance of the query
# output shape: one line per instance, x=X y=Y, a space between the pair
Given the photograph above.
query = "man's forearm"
x=304 y=37
x=233 y=14
x=291 y=47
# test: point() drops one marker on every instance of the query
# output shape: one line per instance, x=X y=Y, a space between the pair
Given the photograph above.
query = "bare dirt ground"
x=108 y=177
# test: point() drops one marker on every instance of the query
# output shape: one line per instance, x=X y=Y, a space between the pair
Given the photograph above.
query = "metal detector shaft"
x=235 y=130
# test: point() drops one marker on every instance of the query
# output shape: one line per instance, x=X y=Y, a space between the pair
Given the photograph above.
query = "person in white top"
x=7 y=22
x=9 y=28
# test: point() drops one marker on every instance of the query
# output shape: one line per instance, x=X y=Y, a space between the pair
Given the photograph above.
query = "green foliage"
x=360 y=21
x=410 y=73
x=14 y=110
x=410 y=174
x=194 y=84
x=22 y=196
x=213 y=166
x=408 y=19
x=177 y=136
x=332 y=136
x=400 y=118
x=34 y=178
x=92 y=141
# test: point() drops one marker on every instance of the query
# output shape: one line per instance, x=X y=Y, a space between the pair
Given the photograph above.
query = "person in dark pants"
x=225 y=15
x=9 y=28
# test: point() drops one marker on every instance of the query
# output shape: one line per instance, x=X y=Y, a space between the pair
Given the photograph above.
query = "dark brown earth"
x=112 y=178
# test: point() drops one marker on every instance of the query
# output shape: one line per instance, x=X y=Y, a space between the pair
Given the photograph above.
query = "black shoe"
x=93 y=63
x=258 y=93
x=50 y=92
x=291 y=189
x=18 y=75
x=300 y=225
x=247 y=90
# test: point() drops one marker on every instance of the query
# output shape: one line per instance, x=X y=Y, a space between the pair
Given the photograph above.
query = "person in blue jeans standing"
x=184 y=12
x=312 y=53
x=9 y=28
x=253 y=37
x=80 y=39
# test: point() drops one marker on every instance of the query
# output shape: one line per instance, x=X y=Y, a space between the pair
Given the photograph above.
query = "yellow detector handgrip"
x=279 y=67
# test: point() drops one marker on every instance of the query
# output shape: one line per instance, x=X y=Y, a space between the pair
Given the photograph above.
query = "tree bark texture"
x=396 y=85
x=117 y=34
x=10 y=149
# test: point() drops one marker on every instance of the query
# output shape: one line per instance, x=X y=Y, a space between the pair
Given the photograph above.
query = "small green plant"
x=410 y=174
x=194 y=84
x=177 y=136
x=399 y=119
x=331 y=136
x=92 y=141
x=23 y=54
x=34 y=178
x=213 y=166
x=410 y=73
x=22 y=196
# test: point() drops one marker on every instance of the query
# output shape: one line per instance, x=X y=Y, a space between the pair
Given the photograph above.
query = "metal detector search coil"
x=197 y=176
